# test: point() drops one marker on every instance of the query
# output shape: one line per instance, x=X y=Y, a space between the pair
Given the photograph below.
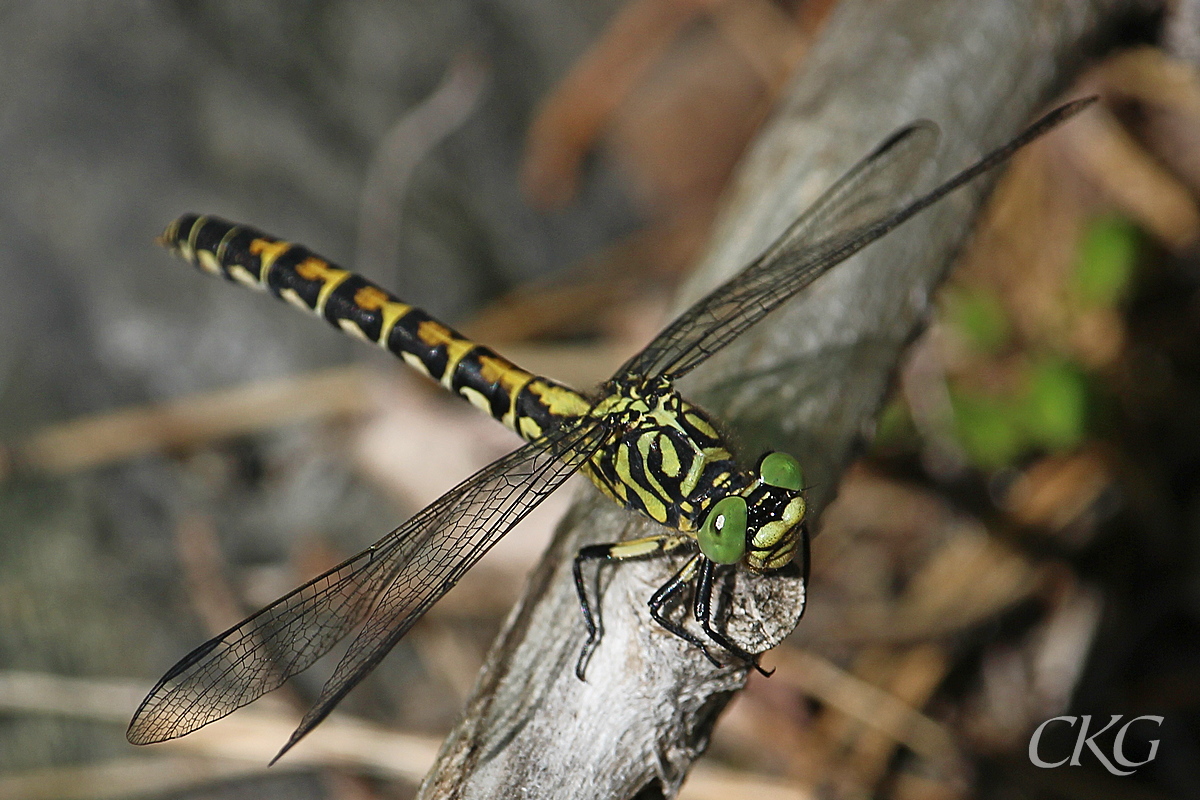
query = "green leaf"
x=1056 y=404
x=1107 y=257
x=988 y=429
x=894 y=427
x=978 y=317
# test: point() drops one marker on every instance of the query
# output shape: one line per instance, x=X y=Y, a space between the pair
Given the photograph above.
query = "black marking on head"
x=766 y=504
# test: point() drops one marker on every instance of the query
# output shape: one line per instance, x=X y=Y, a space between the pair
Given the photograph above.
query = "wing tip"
x=916 y=128
x=303 y=729
x=140 y=732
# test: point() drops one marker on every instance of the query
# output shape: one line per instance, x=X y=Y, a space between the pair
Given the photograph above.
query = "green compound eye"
x=781 y=470
x=723 y=536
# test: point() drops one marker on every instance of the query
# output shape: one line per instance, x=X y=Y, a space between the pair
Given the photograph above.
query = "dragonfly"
x=636 y=439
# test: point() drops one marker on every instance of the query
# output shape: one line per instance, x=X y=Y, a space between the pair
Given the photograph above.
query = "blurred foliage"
x=1046 y=410
x=1108 y=255
x=979 y=317
x=1013 y=397
x=1055 y=404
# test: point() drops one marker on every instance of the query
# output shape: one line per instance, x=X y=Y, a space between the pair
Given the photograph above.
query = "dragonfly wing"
x=466 y=527
x=260 y=653
x=393 y=582
x=867 y=192
x=862 y=206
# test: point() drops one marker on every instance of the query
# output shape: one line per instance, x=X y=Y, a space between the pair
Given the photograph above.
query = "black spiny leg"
x=702 y=609
x=594 y=629
x=669 y=590
x=617 y=551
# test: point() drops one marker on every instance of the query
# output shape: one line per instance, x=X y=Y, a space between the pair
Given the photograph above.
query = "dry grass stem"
x=106 y=437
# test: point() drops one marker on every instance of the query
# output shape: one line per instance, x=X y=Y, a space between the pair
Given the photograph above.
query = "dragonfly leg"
x=702 y=608
x=617 y=551
x=669 y=590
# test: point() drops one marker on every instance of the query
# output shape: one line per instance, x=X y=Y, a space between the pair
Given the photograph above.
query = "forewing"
x=261 y=652
x=466 y=528
x=387 y=587
x=866 y=203
x=809 y=247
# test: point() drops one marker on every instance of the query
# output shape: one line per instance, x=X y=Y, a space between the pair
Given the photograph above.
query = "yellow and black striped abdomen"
x=522 y=401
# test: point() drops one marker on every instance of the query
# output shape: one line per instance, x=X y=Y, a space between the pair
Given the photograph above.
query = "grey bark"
x=808 y=380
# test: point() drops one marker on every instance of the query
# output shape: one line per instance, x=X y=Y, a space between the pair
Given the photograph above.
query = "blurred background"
x=1020 y=543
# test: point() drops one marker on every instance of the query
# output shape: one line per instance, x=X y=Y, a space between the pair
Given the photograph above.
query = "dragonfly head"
x=762 y=523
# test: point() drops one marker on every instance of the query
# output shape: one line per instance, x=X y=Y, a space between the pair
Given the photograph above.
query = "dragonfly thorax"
x=665 y=457
x=667 y=460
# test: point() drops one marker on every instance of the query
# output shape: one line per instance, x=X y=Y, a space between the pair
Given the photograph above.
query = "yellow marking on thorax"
x=615 y=491
x=688 y=518
x=670 y=457
x=666 y=419
x=701 y=424
x=530 y=430
x=616 y=403
x=644 y=444
x=717 y=454
x=371 y=298
x=671 y=463
x=653 y=504
x=692 y=479
x=318 y=269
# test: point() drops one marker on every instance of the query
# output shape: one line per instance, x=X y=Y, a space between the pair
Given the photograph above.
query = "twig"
x=124 y=778
x=874 y=707
x=204 y=574
x=409 y=140
x=242 y=746
x=112 y=436
x=251 y=736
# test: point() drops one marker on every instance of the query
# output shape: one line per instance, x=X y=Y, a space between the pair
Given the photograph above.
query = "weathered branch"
x=809 y=380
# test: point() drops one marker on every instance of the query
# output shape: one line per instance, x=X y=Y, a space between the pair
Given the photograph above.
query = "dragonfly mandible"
x=637 y=440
